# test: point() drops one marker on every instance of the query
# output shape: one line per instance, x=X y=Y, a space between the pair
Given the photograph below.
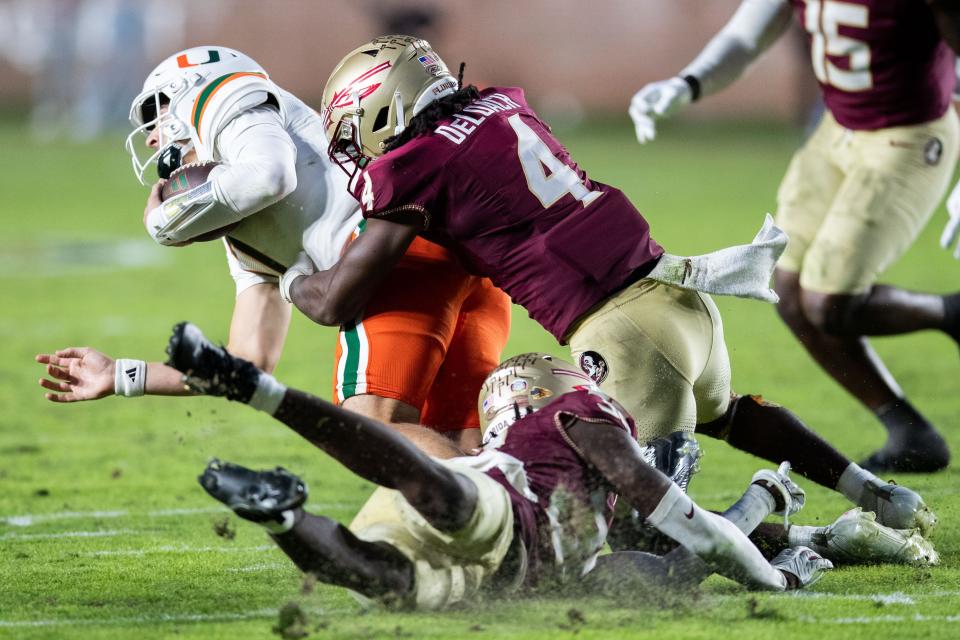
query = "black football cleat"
x=925 y=453
x=210 y=369
x=258 y=496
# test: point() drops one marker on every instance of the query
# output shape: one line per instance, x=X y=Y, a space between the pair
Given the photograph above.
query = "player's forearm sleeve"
x=751 y=30
x=258 y=170
x=715 y=540
x=261 y=163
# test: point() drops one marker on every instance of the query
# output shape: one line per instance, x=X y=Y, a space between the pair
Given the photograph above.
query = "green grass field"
x=104 y=532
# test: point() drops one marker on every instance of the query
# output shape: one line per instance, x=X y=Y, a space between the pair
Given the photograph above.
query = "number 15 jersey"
x=880 y=63
x=493 y=185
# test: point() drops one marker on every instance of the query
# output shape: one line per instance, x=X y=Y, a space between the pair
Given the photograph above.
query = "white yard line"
x=263 y=566
x=176 y=549
x=66 y=534
x=159 y=618
x=30 y=519
x=884 y=619
x=897 y=597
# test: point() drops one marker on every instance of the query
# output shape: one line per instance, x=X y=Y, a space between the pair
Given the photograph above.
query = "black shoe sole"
x=173 y=346
x=880 y=462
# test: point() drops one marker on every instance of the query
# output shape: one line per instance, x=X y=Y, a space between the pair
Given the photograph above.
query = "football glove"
x=804 y=565
x=657 y=100
x=952 y=229
x=742 y=270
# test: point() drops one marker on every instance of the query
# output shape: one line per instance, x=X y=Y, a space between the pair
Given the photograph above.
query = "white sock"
x=751 y=509
x=716 y=540
x=803 y=536
x=852 y=481
x=268 y=395
x=276 y=528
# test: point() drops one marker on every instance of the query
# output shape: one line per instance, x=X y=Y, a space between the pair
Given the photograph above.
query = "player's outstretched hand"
x=77 y=373
x=657 y=100
x=952 y=230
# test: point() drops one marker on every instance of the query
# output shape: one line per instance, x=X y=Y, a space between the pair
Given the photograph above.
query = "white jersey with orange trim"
x=275 y=165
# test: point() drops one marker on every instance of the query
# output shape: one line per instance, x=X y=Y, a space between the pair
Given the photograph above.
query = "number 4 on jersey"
x=366 y=197
x=536 y=159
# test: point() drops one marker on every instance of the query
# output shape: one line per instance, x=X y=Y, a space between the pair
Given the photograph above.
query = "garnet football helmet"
x=524 y=384
x=374 y=93
x=203 y=89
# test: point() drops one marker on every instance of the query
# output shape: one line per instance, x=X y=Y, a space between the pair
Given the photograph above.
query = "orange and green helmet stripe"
x=200 y=104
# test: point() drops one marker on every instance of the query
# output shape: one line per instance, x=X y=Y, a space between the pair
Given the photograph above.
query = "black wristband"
x=694 y=85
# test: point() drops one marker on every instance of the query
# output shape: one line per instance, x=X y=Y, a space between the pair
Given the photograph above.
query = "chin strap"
x=171 y=158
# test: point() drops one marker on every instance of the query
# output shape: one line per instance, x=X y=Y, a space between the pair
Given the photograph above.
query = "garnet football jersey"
x=880 y=63
x=492 y=184
x=565 y=528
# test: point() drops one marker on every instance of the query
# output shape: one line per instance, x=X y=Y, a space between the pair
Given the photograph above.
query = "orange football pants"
x=429 y=337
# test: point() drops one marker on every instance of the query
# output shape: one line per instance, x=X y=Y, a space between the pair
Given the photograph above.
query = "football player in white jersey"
x=214 y=104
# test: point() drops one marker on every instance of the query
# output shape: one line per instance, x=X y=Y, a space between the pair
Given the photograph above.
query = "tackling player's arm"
x=257 y=333
x=947 y=15
x=337 y=295
x=617 y=456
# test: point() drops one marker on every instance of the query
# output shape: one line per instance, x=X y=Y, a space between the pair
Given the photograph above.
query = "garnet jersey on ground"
x=880 y=63
x=494 y=185
x=565 y=528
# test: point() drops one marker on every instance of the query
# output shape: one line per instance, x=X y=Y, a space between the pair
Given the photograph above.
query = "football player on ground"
x=480 y=173
x=531 y=511
x=860 y=190
x=423 y=343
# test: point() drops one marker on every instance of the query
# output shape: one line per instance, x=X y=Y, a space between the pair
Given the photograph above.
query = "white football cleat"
x=857 y=537
x=787 y=492
x=805 y=565
x=898 y=507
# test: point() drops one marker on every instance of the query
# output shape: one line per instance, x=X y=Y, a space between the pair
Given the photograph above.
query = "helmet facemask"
x=346 y=147
x=373 y=94
x=147 y=113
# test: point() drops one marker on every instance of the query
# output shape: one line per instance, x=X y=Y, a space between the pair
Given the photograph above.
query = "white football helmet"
x=203 y=89
x=524 y=384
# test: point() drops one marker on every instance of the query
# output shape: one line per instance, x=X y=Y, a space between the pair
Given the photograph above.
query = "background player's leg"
x=883 y=311
x=890 y=189
x=913 y=444
x=774 y=433
x=329 y=550
x=848 y=359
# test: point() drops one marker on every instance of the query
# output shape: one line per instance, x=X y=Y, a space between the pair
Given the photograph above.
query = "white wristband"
x=303 y=266
x=130 y=377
